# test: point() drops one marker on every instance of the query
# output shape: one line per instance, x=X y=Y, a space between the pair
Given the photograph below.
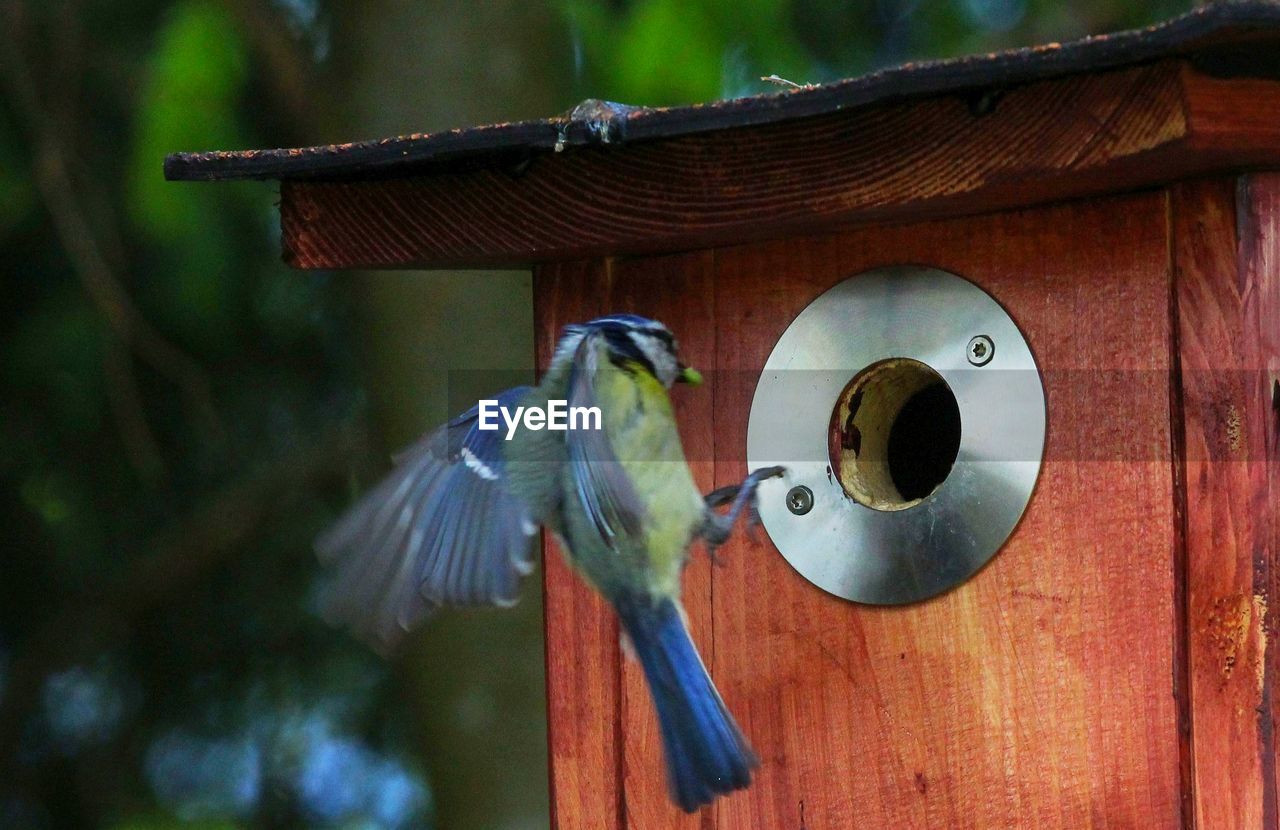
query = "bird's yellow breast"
x=640 y=423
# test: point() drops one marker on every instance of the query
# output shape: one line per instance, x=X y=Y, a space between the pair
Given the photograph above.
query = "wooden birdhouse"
x=1013 y=324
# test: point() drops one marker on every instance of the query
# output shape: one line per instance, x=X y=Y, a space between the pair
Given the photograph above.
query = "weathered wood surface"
x=1226 y=241
x=1260 y=258
x=947 y=155
x=1041 y=693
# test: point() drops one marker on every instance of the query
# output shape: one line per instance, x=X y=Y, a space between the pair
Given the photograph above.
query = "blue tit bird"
x=453 y=525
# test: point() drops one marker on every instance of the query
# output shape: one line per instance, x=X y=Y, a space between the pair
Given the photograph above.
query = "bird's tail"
x=706 y=753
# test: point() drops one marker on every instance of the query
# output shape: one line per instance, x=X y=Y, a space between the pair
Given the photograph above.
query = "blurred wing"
x=602 y=486
x=441 y=529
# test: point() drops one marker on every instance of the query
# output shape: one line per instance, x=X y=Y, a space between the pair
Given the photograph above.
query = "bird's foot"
x=715 y=532
x=721 y=496
x=717 y=528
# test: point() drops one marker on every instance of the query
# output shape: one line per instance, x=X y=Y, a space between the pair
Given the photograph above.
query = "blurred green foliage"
x=672 y=52
x=181 y=414
x=193 y=89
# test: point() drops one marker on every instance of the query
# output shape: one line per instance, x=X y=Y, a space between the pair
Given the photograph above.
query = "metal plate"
x=898 y=556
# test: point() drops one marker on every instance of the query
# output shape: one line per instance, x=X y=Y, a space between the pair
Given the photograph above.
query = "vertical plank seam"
x=539 y=308
x=1269 y=183
x=1181 y=596
x=619 y=737
x=1265 y=251
x=711 y=817
x=1248 y=232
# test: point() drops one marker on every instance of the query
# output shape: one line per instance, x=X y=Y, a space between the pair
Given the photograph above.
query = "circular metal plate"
x=891 y=557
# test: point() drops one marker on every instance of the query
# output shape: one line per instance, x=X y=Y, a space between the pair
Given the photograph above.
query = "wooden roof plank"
x=1088 y=134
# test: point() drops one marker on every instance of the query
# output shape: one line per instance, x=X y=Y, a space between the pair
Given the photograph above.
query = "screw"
x=800 y=500
x=981 y=350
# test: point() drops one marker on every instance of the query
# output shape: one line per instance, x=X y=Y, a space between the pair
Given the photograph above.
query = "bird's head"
x=636 y=340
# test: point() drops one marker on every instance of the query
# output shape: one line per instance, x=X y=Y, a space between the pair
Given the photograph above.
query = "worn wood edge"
x=541 y=358
x=1178 y=479
x=1258 y=219
x=813 y=257
x=553 y=816
x=1235 y=116
x=1229 y=546
x=1158 y=124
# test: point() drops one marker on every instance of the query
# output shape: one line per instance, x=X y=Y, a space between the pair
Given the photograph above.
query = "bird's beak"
x=689 y=375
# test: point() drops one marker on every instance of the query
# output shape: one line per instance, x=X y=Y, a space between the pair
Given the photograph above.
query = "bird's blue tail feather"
x=706 y=753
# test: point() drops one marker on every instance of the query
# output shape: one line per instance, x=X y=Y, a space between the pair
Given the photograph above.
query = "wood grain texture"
x=1228 y=304
x=945 y=155
x=1039 y=694
x=1260 y=259
x=1044 y=691
x=1234 y=112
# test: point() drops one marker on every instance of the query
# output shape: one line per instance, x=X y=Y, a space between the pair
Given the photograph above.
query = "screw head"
x=980 y=350
x=799 y=500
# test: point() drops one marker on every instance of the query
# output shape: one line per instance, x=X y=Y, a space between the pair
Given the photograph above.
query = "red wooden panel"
x=1261 y=260
x=1228 y=303
x=1039 y=694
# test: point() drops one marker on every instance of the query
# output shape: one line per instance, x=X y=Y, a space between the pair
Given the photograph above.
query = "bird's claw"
x=721 y=496
x=753 y=507
x=743 y=498
x=776 y=471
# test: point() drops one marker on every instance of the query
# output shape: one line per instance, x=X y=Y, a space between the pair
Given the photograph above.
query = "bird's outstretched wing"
x=441 y=529
x=602 y=486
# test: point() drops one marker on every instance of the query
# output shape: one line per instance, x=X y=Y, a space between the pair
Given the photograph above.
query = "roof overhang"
x=1195 y=95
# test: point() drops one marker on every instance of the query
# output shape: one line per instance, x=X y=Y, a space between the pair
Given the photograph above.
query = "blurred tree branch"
x=126 y=404
x=176 y=559
x=50 y=159
x=286 y=64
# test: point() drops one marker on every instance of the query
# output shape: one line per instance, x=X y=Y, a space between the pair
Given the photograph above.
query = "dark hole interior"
x=924 y=441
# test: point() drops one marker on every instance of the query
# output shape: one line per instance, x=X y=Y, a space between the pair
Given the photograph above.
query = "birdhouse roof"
x=1194 y=96
x=1226 y=38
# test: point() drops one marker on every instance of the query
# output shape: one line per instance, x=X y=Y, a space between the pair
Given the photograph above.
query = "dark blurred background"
x=180 y=414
